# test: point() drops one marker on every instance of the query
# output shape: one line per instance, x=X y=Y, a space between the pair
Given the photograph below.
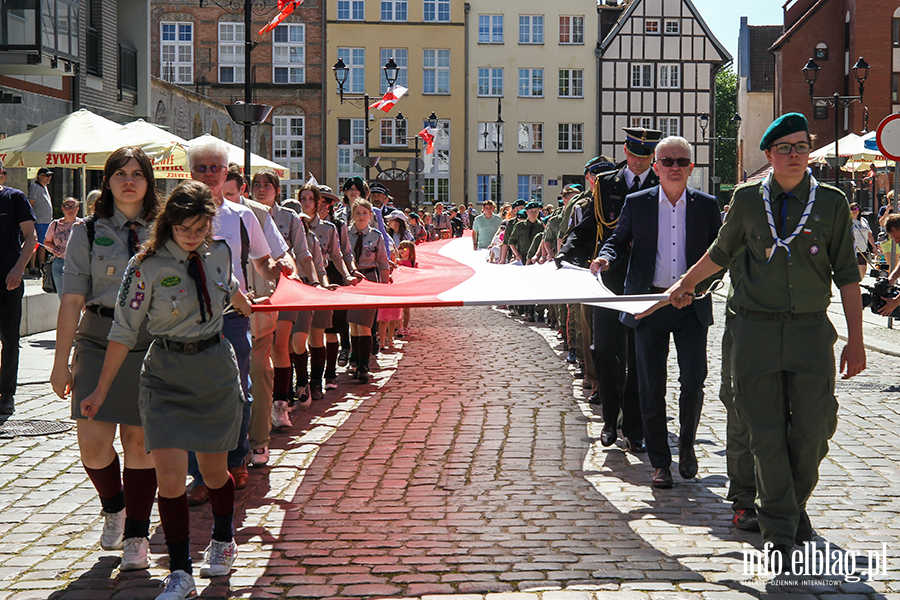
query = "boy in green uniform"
x=792 y=237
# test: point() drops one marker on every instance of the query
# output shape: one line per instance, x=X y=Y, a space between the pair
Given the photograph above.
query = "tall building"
x=756 y=91
x=531 y=64
x=658 y=69
x=198 y=53
x=425 y=38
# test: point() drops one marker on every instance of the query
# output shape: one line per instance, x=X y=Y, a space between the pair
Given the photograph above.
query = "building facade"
x=426 y=39
x=756 y=91
x=532 y=65
x=657 y=70
x=201 y=49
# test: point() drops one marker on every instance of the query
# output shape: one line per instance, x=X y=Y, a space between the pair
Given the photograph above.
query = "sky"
x=724 y=17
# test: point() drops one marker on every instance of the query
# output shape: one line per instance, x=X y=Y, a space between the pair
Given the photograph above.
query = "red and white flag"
x=390 y=98
x=285 y=8
x=427 y=136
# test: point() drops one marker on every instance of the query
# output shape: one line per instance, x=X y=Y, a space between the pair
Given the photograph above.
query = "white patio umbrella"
x=852 y=146
x=171 y=161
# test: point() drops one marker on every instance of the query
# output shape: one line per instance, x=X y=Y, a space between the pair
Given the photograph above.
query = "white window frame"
x=531 y=29
x=487 y=144
x=492 y=75
x=571 y=29
x=570 y=137
x=394 y=11
x=672 y=27
x=436 y=62
x=569 y=79
x=401 y=57
x=532 y=186
x=356 y=76
x=182 y=71
x=354 y=9
x=393 y=136
x=436 y=11
x=487 y=184
x=645 y=122
x=289 y=58
x=668 y=126
x=355 y=146
x=643 y=71
x=651 y=26
x=533 y=86
x=531 y=137
x=494 y=33
x=231 y=52
x=289 y=149
x=669 y=76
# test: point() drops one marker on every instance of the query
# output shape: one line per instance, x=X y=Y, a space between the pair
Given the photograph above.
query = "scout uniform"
x=320 y=319
x=94 y=269
x=524 y=233
x=371 y=259
x=783 y=355
x=190 y=394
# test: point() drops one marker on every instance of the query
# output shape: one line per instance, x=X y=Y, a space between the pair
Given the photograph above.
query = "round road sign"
x=888 y=136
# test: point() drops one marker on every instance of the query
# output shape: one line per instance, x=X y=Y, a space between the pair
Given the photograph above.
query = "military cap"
x=328 y=194
x=599 y=164
x=573 y=187
x=640 y=141
x=521 y=214
x=518 y=202
x=533 y=204
x=379 y=188
x=782 y=126
x=353 y=181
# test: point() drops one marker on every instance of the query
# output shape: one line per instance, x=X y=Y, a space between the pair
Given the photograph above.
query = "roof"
x=723 y=53
x=762 y=63
x=797 y=25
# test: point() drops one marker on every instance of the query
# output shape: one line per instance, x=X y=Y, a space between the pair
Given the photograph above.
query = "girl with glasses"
x=58 y=237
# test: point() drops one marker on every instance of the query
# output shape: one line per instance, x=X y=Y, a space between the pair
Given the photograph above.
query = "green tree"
x=726 y=108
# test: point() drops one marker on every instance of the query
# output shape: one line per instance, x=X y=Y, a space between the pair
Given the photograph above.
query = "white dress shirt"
x=629 y=177
x=671 y=262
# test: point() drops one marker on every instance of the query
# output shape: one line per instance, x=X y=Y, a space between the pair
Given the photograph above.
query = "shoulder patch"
x=103 y=241
x=170 y=281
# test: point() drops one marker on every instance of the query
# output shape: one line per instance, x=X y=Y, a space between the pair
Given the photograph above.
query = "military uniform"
x=783 y=355
x=523 y=234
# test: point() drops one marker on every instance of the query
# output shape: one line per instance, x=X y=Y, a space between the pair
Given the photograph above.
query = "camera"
x=880 y=269
x=878 y=294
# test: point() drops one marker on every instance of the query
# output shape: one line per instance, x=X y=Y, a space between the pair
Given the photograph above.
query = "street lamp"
x=431 y=122
x=341 y=72
x=811 y=74
x=704 y=124
x=498 y=124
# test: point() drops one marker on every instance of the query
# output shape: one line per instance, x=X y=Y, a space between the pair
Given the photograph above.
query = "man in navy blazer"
x=668 y=228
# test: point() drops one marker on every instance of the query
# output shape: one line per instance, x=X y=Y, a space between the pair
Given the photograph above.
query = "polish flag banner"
x=451 y=274
x=427 y=136
x=285 y=8
x=390 y=98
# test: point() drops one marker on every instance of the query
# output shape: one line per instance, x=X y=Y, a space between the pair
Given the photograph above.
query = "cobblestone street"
x=471 y=465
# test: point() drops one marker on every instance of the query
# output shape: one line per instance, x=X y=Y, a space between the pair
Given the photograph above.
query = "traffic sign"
x=888 y=137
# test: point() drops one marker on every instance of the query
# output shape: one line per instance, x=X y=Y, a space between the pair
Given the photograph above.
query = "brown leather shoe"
x=241 y=476
x=662 y=478
x=198 y=494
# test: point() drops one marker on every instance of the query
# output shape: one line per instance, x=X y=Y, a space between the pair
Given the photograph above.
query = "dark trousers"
x=616 y=369
x=10 y=321
x=652 y=350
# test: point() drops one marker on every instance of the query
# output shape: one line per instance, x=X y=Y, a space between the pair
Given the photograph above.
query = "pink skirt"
x=390 y=314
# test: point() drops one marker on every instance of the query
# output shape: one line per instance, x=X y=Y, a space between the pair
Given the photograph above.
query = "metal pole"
x=248 y=84
x=418 y=175
x=366 y=124
x=837 y=167
x=893 y=243
x=497 y=141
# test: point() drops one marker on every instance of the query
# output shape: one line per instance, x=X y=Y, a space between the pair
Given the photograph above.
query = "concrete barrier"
x=39 y=309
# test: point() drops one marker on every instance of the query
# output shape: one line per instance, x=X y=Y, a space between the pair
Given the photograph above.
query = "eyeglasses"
x=210 y=168
x=70 y=205
x=854 y=209
x=669 y=162
x=799 y=148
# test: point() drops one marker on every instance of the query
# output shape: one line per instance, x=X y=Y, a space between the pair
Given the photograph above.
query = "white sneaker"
x=218 y=558
x=136 y=554
x=259 y=456
x=280 y=417
x=113 y=530
x=179 y=585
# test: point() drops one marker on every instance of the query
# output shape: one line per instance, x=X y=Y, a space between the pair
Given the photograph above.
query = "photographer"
x=892 y=227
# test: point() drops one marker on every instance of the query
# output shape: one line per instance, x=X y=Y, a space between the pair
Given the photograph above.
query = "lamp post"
x=341 y=71
x=417 y=186
x=497 y=125
x=704 y=124
x=811 y=74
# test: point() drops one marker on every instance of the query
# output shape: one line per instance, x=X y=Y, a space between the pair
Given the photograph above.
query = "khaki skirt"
x=191 y=401
x=121 y=405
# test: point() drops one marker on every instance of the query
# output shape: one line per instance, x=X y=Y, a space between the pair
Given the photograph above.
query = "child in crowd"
x=407 y=251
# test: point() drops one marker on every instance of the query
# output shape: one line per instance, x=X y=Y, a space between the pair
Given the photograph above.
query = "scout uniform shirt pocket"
x=813 y=239
x=760 y=241
x=108 y=264
x=174 y=293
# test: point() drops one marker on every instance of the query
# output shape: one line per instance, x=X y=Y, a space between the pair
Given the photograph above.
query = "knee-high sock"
x=175 y=515
x=281 y=388
x=299 y=361
x=317 y=358
x=365 y=350
x=331 y=355
x=354 y=348
x=221 y=501
x=108 y=483
x=140 y=492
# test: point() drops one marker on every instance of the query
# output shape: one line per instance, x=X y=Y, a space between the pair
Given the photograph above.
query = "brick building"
x=756 y=91
x=201 y=48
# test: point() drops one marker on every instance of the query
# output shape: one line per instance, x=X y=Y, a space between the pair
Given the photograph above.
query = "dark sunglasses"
x=210 y=168
x=800 y=148
x=669 y=162
x=69 y=205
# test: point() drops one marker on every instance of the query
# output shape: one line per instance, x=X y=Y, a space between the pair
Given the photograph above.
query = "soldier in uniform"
x=792 y=237
x=524 y=232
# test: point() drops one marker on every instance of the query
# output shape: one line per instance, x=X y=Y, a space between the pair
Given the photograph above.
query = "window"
x=531 y=29
x=351 y=10
x=531 y=83
x=351 y=144
x=177 y=52
x=436 y=10
x=490 y=82
x=651 y=26
x=821 y=112
x=289 y=54
x=355 y=59
x=231 y=53
x=488 y=188
x=530 y=187
x=288 y=146
x=821 y=53
x=531 y=137
x=437 y=165
x=401 y=57
x=571 y=30
x=668 y=126
x=488 y=136
x=436 y=71
x=571 y=138
x=895 y=88
x=642 y=76
x=645 y=122
x=673 y=27
x=392 y=133
x=490 y=29
x=571 y=83
x=895 y=31
x=393 y=10
x=669 y=76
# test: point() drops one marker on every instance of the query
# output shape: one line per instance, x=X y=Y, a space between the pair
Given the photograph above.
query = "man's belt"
x=103 y=311
x=780 y=316
x=189 y=347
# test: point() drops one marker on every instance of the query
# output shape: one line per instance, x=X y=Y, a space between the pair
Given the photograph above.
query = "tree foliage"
x=726 y=108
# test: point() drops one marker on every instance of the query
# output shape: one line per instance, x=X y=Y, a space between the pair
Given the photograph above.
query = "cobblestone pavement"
x=471 y=466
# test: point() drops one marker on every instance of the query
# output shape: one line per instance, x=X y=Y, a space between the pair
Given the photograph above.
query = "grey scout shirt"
x=373 y=255
x=326 y=233
x=95 y=272
x=160 y=288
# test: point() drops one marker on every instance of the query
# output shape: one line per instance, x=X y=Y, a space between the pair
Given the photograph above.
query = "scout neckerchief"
x=785 y=243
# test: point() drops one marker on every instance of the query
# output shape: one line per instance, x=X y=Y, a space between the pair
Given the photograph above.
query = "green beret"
x=533 y=204
x=782 y=126
x=520 y=214
x=518 y=202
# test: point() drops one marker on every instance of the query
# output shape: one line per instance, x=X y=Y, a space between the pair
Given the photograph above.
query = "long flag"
x=285 y=8
x=390 y=98
x=427 y=136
